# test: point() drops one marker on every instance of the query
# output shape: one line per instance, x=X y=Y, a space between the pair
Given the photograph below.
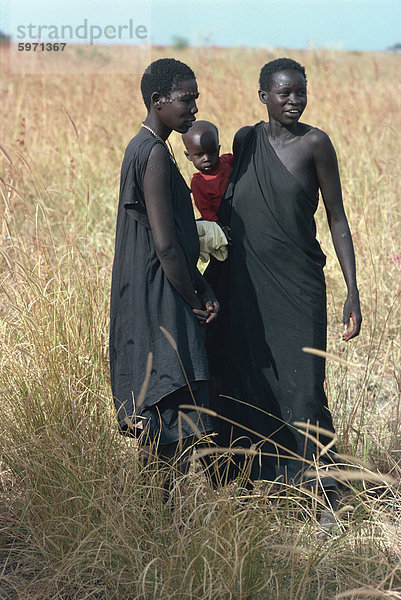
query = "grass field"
x=79 y=519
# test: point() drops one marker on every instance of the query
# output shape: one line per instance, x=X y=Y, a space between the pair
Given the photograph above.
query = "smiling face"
x=203 y=150
x=286 y=100
x=177 y=110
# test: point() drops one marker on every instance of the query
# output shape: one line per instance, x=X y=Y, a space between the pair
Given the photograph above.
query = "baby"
x=208 y=186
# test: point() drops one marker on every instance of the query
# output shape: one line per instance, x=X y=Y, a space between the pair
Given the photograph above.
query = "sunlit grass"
x=79 y=515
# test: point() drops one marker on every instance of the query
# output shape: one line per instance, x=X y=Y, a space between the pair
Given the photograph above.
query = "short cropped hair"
x=161 y=76
x=276 y=66
x=201 y=126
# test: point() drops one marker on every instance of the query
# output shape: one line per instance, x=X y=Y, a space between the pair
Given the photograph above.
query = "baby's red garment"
x=208 y=188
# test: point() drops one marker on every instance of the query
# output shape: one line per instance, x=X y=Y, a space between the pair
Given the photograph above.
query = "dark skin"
x=202 y=144
x=203 y=149
x=167 y=113
x=309 y=156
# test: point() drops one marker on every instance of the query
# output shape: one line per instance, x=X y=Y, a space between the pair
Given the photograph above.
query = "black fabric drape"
x=142 y=300
x=273 y=297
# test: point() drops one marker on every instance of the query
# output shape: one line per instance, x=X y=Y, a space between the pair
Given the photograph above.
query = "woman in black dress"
x=156 y=285
x=275 y=292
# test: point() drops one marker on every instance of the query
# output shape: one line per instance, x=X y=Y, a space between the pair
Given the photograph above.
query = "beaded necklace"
x=168 y=147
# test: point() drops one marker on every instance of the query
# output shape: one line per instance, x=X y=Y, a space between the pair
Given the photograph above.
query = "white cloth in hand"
x=213 y=241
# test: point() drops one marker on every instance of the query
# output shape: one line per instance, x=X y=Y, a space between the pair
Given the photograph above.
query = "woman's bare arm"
x=326 y=166
x=156 y=187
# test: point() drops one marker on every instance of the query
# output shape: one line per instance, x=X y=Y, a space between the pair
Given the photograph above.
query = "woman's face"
x=286 y=100
x=177 y=111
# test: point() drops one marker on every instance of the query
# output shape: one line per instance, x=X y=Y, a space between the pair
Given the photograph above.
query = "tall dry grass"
x=79 y=516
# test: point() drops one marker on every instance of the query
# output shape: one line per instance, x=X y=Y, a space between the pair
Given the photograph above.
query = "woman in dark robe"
x=159 y=300
x=274 y=301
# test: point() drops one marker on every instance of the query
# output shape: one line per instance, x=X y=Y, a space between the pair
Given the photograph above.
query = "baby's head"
x=202 y=144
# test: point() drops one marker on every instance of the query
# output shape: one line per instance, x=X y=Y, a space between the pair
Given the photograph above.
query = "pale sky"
x=342 y=24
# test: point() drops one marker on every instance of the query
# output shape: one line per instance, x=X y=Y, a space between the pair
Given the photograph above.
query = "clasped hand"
x=209 y=313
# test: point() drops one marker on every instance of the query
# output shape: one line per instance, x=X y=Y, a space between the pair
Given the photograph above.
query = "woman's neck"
x=157 y=126
x=275 y=129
